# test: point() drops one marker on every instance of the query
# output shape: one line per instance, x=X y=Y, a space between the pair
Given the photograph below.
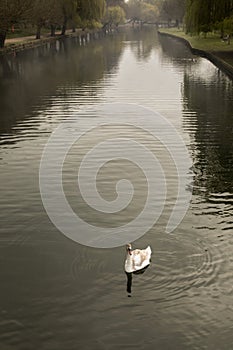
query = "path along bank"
x=216 y=57
x=16 y=45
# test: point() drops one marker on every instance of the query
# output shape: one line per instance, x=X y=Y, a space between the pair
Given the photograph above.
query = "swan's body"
x=137 y=260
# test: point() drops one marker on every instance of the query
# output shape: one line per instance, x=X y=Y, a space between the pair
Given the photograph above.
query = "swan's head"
x=129 y=248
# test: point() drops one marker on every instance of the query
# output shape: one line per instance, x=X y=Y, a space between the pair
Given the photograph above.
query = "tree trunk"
x=2 y=38
x=63 y=31
x=221 y=31
x=38 y=30
x=52 y=28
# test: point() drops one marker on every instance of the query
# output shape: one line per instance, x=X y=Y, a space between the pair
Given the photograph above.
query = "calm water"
x=56 y=294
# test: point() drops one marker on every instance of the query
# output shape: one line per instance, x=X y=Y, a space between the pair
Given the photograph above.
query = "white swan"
x=137 y=260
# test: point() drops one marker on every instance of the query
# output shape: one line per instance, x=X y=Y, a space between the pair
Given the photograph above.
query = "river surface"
x=57 y=294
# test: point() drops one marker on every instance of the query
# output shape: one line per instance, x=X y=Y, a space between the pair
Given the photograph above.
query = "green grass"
x=21 y=33
x=211 y=43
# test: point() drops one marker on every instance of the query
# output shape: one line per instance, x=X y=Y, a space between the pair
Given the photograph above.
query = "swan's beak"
x=130 y=251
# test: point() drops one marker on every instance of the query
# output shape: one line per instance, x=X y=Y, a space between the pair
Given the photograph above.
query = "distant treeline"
x=196 y=15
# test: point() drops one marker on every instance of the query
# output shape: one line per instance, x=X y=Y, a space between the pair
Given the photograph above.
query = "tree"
x=55 y=16
x=203 y=16
x=198 y=16
x=143 y=11
x=134 y=10
x=114 y=16
x=12 y=12
x=69 y=10
x=39 y=15
x=90 y=11
x=221 y=9
x=173 y=10
x=149 y=13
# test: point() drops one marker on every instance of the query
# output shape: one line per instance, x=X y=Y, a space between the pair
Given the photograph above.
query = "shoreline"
x=211 y=56
x=25 y=43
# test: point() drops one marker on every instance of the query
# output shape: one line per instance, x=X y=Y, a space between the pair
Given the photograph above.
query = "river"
x=58 y=294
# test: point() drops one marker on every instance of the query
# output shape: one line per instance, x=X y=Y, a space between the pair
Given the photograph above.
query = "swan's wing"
x=139 y=259
x=148 y=252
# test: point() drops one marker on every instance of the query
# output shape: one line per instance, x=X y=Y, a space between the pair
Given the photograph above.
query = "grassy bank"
x=212 y=43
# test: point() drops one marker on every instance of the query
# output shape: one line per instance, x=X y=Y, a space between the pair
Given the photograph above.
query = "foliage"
x=91 y=9
x=46 y=12
x=114 y=15
x=49 y=13
x=228 y=25
x=69 y=12
x=134 y=9
x=12 y=12
x=204 y=16
x=146 y=11
x=149 y=13
x=173 y=10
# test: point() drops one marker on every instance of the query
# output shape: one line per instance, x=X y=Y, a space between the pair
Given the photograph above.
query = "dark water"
x=56 y=294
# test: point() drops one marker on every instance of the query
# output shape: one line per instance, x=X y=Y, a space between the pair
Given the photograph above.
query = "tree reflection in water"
x=208 y=105
x=30 y=76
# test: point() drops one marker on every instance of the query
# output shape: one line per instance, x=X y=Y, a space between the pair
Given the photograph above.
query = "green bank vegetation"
x=208 y=16
x=212 y=42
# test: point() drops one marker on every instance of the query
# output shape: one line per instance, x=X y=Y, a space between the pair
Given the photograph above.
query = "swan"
x=137 y=261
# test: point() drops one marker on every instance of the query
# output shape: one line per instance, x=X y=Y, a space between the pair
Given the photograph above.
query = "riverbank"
x=212 y=48
x=17 y=44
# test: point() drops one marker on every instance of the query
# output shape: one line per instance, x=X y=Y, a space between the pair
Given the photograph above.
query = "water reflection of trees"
x=175 y=51
x=142 y=41
x=32 y=74
x=208 y=106
x=208 y=103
